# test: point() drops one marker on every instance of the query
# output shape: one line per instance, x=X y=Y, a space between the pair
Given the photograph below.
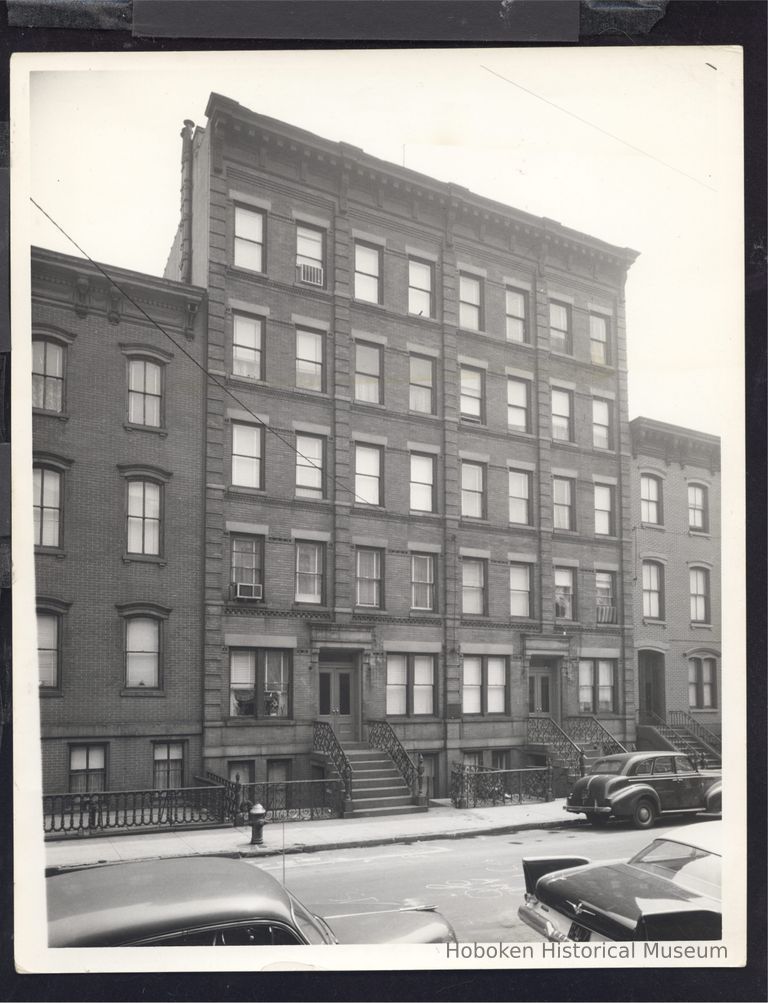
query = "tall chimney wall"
x=185 y=265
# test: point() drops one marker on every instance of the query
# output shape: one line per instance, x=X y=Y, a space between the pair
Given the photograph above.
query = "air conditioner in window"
x=311 y=274
x=245 y=591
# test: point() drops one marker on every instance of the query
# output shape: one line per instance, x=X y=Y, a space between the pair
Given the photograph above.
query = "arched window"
x=651 y=500
x=702 y=683
x=145 y=392
x=653 y=590
x=47 y=375
x=144 y=516
x=699 y=585
x=698 y=508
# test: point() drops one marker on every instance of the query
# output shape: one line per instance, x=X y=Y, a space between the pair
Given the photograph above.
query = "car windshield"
x=607 y=766
x=688 y=866
x=313 y=927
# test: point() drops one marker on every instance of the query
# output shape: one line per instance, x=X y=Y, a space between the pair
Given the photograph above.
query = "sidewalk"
x=440 y=822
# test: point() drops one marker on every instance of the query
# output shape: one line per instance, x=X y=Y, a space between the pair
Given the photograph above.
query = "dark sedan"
x=209 y=902
x=640 y=786
x=670 y=890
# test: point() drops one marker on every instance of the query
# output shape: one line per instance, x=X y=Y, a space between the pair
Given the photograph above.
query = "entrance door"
x=337 y=701
x=541 y=697
x=651 y=704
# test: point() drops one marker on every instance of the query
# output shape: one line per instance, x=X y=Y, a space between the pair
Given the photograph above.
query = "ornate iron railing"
x=477 y=787
x=544 y=731
x=324 y=741
x=679 y=719
x=591 y=732
x=100 y=811
x=295 y=800
x=381 y=735
x=679 y=740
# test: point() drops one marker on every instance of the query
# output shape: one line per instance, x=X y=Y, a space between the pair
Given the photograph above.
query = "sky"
x=637 y=146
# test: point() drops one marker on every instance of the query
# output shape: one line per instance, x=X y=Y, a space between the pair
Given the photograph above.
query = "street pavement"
x=442 y=821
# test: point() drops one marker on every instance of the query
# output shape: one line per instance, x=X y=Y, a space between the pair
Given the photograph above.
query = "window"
x=605 y=597
x=473 y=586
x=597 y=686
x=47 y=375
x=87 y=768
x=698 y=508
x=421 y=396
x=604 y=520
x=420 y=281
x=484 y=685
x=249 y=239
x=142 y=653
x=471 y=404
x=702 y=683
x=562 y=415
x=309 y=360
x=602 y=437
x=48 y=650
x=247 y=560
x=260 y=682
x=368 y=463
x=423 y=581
x=472 y=490
x=247 y=458
x=520 y=497
x=651 y=509
x=168 y=765
x=598 y=340
x=470 y=302
x=367 y=273
x=310 y=558
x=516 y=304
x=410 y=684
x=519 y=589
x=563 y=503
x=369 y=575
x=47 y=507
x=422 y=482
x=144 y=506
x=519 y=405
x=310 y=255
x=565 y=593
x=699 y=579
x=653 y=590
x=368 y=373
x=310 y=455
x=145 y=392
x=247 y=346
x=560 y=327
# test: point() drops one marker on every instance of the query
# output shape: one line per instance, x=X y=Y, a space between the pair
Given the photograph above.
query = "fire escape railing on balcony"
x=591 y=732
x=381 y=735
x=324 y=741
x=679 y=719
x=544 y=731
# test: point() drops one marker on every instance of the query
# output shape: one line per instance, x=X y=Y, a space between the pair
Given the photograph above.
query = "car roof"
x=124 y=902
x=707 y=836
x=626 y=757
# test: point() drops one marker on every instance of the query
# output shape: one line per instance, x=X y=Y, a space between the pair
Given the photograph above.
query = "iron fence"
x=478 y=787
x=295 y=800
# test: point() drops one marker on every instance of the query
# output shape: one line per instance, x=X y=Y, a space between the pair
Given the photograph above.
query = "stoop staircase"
x=378 y=787
x=683 y=733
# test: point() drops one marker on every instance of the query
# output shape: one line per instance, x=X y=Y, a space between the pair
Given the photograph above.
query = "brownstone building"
x=118 y=523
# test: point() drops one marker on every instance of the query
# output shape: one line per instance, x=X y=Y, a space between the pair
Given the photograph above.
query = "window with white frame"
x=560 y=327
x=473 y=585
x=518 y=404
x=604 y=514
x=249 y=239
x=48 y=649
x=247 y=347
x=309 y=360
x=484 y=684
x=142 y=652
x=421 y=392
x=699 y=585
x=698 y=508
x=145 y=393
x=470 y=302
x=87 y=768
x=605 y=596
x=367 y=272
x=472 y=490
x=422 y=482
x=310 y=457
x=702 y=683
x=602 y=428
x=516 y=312
x=310 y=255
x=598 y=340
x=597 y=686
x=565 y=593
x=369 y=577
x=653 y=590
x=420 y=282
x=47 y=495
x=410 y=685
x=472 y=393
x=168 y=765
x=47 y=375
x=422 y=581
x=369 y=366
x=144 y=515
x=247 y=455
x=310 y=560
x=651 y=506
x=368 y=475
x=519 y=589
x=563 y=503
x=562 y=415
x=260 y=682
x=247 y=560
x=520 y=497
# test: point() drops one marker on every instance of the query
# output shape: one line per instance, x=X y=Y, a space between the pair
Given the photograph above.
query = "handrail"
x=677 y=741
x=589 y=729
x=324 y=740
x=707 y=737
x=476 y=786
x=381 y=735
x=545 y=731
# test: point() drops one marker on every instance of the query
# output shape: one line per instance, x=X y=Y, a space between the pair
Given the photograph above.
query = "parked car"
x=640 y=786
x=670 y=890
x=209 y=902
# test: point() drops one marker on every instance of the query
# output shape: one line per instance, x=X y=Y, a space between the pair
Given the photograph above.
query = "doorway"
x=338 y=698
x=650 y=678
x=542 y=690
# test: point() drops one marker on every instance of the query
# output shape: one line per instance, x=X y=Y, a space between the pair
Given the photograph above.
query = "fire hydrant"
x=257 y=818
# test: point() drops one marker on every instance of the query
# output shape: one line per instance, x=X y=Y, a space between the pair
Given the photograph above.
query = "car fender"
x=624 y=801
x=536 y=867
x=714 y=797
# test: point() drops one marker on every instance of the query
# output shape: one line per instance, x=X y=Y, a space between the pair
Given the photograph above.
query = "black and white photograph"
x=379 y=568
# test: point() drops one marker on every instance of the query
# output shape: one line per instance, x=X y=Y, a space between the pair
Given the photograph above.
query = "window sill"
x=56 y=552
x=527 y=526
x=307 y=604
x=424 y=414
x=703 y=533
x=309 y=498
x=405 y=718
x=471 y=520
x=375 y=405
x=468 y=422
x=659 y=526
x=369 y=611
x=650 y=621
x=695 y=625
x=246 y=381
x=362 y=507
x=561 y=622
x=130 y=427
x=564 y=355
x=471 y=330
x=141 y=691
x=246 y=273
x=241 y=489
x=50 y=692
x=311 y=287
x=244 y=722
x=564 y=442
x=144 y=559
x=422 y=614
x=520 y=431
x=421 y=316
x=41 y=412
x=704 y=710
x=368 y=303
x=415 y=513
x=610 y=537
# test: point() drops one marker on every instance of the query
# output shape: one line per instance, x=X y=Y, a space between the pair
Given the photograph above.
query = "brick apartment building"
x=417 y=458
x=118 y=520
x=676 y=519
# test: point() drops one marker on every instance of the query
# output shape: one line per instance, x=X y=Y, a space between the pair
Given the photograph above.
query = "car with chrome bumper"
x=670 y=890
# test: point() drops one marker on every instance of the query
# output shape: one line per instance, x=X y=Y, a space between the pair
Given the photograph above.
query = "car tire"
x=644 y=814
x=599 y=821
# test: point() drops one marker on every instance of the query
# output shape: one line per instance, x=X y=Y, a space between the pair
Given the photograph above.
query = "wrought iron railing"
x=100 y=811
x=544 y=731
x=590 y=731
x=606 y=614
x=477 y=787
x=324 y=741
x=295 y=800
x=678 y=739
x=381 y=735
x=679 y=719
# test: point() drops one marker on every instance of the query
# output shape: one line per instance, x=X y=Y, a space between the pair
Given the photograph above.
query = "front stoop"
x=377 y=786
